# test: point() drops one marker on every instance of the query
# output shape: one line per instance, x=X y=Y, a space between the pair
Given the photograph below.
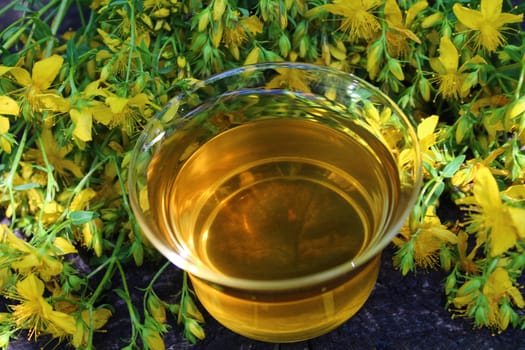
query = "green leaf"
x=452 y=167
x=26 y=186
x=80 y=217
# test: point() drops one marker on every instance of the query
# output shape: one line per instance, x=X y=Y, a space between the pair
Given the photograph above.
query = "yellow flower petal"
x=448 y=54
x=505 y=18
x=491 y=8
x=470 y=18
x=8 y=106
x=502 y=231
x=253 y=24
x=30 y=287
x=425 y=132
x=82 y=199
x=65 y=246
x=46 y=70
x=116 y=104
x=253 y=56
x=66 y=323
x=393 y=12
x=54 y=102
x=515 y=192
x=4 y=125
x=414 y=10
x=83 y=123
x=21 y=76
x=517 y=217
x=517 y=297
x=139 y=100
x=5 y=145
x=486 y=191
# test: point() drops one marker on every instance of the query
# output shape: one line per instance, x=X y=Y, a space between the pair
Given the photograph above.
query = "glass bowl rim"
x=335 y=272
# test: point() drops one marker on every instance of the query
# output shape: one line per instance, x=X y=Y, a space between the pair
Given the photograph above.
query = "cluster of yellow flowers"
x=73 y=102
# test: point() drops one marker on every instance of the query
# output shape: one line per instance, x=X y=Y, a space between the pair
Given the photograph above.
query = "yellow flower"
x=156 y=308
x=28 y=200
x=152 y=339
x=91 y=235
x=35 y=314
x=236 y=32
x=81 y=335
x=426 y=133
x=85 y=106
x=488 y=23
x=83 y=121
x=359 y=23
x=291 y=79
x=498 y=287
x=26 y=258
x=497 y=224
x=56 y=156
x=399 y=34
x=8 y=106
x=37 y=93
x=125 y=113
x=466 y=260
x=116 y=57
x=450 y=78
x=427 y=136
x=430 y=236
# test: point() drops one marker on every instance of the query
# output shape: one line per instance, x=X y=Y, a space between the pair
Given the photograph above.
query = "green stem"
x=58 y=227
x=149 y=288
x=57 y=21
x=427 y=196
x=508 y=67
x=158 y=274
x=8 y=7
x=125 y=201
x=132 y=41
x=113 y=260
x=131 y=310
x=82 y=183
x=517 y=92
x=51 y=185
x=12 y=173
x=16 y=36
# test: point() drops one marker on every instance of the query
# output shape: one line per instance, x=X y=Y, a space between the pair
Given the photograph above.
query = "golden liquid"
x=277 y=199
